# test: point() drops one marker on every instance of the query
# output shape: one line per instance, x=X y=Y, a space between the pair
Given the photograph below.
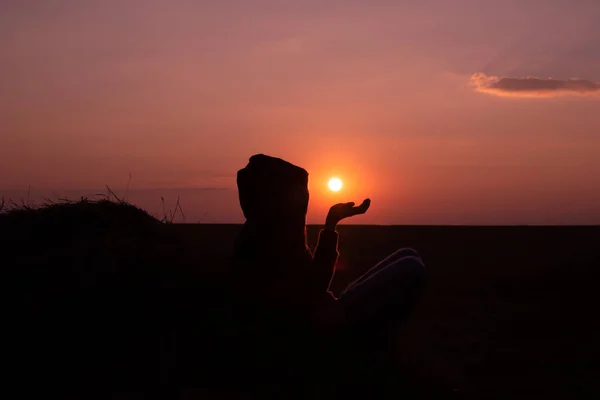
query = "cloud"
x=532 y=87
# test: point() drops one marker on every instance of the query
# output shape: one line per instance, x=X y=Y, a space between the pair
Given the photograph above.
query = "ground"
x=508 y=312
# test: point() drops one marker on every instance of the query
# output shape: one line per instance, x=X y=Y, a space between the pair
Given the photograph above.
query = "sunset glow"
x=461 y=112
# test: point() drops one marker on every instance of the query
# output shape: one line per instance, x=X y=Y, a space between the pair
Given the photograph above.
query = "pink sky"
x=379 y=93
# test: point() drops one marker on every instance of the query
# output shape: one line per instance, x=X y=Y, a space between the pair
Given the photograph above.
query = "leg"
x=394 y=284
x=375 y=307
x=406 y=252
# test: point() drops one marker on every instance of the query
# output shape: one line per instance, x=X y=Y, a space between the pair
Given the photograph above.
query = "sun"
x=335 y=184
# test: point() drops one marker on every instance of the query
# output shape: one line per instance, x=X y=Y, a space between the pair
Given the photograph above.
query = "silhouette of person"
x=271 y=248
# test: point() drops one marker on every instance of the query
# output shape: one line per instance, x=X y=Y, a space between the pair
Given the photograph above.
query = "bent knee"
x=413 y=266
x=406 y=252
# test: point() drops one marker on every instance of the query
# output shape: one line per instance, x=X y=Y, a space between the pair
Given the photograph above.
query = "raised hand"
x=344 y=210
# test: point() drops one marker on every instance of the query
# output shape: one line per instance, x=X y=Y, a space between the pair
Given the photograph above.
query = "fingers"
x=345 y=210
x=363 y=207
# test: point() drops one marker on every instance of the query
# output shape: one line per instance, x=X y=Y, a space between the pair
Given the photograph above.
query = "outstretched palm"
x=344 y=210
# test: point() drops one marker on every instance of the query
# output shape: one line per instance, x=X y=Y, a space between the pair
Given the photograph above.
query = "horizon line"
x=420 y=225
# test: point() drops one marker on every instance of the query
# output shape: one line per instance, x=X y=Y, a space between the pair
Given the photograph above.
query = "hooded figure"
x=271 y=247
x=284 y=288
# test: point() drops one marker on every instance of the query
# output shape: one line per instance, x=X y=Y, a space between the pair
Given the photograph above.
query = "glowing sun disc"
x=334 y=184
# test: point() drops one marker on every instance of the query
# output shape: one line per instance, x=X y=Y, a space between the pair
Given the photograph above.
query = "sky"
x=442 y=112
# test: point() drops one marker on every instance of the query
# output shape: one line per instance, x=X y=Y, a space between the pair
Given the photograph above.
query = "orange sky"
x=180 y=94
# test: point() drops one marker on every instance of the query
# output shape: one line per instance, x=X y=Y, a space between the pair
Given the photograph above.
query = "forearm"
x=325 y=256
x=331 y=224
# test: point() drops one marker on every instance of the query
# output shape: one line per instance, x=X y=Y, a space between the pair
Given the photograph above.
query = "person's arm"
x=325 y=258
x=326 y=253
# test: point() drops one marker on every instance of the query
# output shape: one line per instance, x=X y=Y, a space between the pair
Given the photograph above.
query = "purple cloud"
x=532 y=87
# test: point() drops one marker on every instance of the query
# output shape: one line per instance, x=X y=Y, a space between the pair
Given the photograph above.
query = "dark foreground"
x=509 y=312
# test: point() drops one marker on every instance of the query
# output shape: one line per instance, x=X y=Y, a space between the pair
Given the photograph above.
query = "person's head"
x=273 y=191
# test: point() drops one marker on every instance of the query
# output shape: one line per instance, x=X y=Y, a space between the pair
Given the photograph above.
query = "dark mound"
x=92 y=288
x=59 y=239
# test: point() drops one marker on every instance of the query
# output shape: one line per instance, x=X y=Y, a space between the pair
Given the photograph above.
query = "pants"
x=374 y=306
x=338 y=355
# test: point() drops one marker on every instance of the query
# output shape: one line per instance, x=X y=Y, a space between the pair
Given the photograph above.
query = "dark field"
x=509 y=312
x=105 y=299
